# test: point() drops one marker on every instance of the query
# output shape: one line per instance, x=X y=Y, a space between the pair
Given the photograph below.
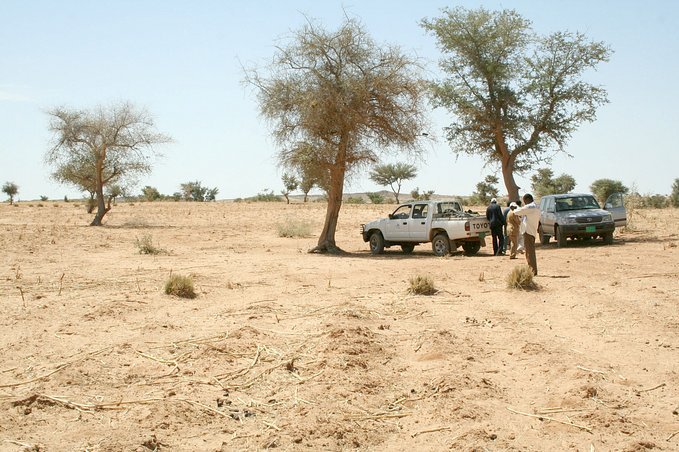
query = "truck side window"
x=420 y=211
x=402 y=213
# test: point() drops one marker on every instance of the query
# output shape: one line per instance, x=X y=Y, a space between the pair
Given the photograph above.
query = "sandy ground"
x=289 y=350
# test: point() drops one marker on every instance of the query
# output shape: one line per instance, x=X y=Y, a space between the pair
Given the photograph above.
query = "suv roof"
x=567 y=195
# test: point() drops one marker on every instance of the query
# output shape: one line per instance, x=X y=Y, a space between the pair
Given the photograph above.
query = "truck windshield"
x=576 y=203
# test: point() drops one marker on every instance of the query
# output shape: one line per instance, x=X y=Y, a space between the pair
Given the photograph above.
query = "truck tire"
x=471 y=248
x=608 y=238
x=407 y=248
x=440 y=245
x=376 y=243
x=560 y=238
x=544 y=239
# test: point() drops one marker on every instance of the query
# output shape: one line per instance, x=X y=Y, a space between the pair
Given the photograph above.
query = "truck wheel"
x=376 y=243
x=608 y=238
x=560 y=238
x=471 y=248
x=544 y=239
x=440 y=245
x=407 y=248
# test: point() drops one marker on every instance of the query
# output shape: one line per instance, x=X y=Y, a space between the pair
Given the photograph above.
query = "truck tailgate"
x=479 y=225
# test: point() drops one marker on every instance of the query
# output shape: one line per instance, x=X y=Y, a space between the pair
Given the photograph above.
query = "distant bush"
x=521 y=277
x=266 y=196
x=655 y=201
x=146 y=246
x=421 y=285
x=294 y=228
x=375 y=198
x=180 y=286
x=603 y=188
x=44 y=198
x=674 y=197
x=355 y=200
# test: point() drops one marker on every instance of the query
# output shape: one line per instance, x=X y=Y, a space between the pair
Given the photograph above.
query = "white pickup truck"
x=443 y=223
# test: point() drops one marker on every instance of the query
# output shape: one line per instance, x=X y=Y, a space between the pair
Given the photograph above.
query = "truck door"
x=616 y=206
x=398 y=224
x=418 y=223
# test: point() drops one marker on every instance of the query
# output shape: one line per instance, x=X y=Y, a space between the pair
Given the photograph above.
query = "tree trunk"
x=101 y=209
x=101 y=205
x=508 y=177
x=326 y=242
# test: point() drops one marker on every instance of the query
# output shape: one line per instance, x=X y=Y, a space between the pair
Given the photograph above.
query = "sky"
x=183 y=61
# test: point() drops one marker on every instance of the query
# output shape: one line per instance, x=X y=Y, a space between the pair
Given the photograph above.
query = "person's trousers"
x=498 y=240
x=529 y=245
x=513 y=244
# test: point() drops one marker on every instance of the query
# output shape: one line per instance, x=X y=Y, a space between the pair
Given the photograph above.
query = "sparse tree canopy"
x=603 y=188
x=10 y=189
x=674 y=196
x=517 y=97
x=150 y=194
x=102 y=146
x=336 y=100
x=486 y=190
x=194 y=191
x=393 y=175
x=544 y=184
x=290 y=184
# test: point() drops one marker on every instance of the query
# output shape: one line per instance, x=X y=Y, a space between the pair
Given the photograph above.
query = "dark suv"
x=579 y=216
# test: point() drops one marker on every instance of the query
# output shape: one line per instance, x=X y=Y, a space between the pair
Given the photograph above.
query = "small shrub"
x=422 y=285
x=180 y=286
x=146 y=246
x=294 y=228
x=44 y=198
x=376 y=198
x=355 y=200
x=521 y=277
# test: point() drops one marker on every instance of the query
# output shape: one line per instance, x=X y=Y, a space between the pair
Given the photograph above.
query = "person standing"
x=505 y=212
x=497 y=221
x=531 y=214
x=513 y=226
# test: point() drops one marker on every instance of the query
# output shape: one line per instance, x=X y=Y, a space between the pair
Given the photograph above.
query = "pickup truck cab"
x=579 y=216
x=443 y=223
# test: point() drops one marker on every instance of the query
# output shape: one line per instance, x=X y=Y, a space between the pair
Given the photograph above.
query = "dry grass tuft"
x=180 y=286
x=146 y=246
x=422 y=285
x=294 y=228
x=521 y=277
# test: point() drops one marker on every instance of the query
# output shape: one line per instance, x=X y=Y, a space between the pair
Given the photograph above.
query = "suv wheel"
x=544 y=239
x=608 y=238
x=560 y=238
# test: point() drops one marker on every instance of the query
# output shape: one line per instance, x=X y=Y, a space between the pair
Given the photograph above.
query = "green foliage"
x=265 y=196
x=485 y=190
x=10 y=189
x=393 y=175
x=603 y=188
x=521 y=277
x=543 y=183
x=674 y=197
x=656 y=201
x=355 y=200
x=194 y=191
x=375 y=198
x=294 y=228
x=180 y=286
x=145 y=245
x=290 y=183
x=421 y=285
x=424 y=196
x=515 y=96
x=44 y=198
x=150 y=194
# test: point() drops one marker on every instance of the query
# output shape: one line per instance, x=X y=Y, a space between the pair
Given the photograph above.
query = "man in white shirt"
x=531 y=213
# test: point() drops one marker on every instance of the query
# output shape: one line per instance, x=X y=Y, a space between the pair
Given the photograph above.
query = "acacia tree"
x=544 y=183
x=290 y=184
x=517 y=97
x=10 y=189
x=336 y=100
x=393 y=174
x=603 y=188
x=102 y=146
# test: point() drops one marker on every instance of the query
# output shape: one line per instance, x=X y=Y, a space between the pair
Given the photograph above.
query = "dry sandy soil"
x=289 y=350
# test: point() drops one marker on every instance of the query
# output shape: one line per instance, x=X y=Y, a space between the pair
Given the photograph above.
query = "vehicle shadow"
x=399 y=255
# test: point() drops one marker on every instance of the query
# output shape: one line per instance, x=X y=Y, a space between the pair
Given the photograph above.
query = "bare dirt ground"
x=289 y=350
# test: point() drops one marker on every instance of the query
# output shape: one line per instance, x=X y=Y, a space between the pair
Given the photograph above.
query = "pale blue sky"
x=182 y=61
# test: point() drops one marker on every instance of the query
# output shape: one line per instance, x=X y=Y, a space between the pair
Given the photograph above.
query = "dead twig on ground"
x=652 y=389
x=542 y=417
x=594 y=371
x=672 y=435
x=20 y=383
x=431 y=430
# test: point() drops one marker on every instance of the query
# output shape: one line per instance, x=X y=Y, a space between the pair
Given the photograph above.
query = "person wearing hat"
x=531 y=212
x=497 y=221
x=513 y=226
